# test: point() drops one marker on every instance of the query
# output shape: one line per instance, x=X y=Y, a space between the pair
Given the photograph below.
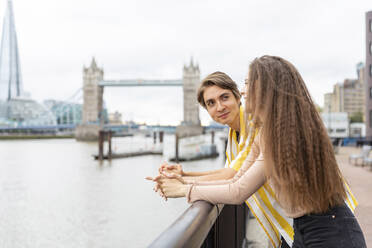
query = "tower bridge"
x=93 y=89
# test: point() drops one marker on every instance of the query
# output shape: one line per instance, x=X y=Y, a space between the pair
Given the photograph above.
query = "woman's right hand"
x=164 y=176
x=173 y=188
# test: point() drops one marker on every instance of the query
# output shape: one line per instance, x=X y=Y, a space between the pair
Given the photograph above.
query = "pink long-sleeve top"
x=245 y=183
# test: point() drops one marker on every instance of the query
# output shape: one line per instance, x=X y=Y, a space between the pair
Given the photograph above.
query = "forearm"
x=202 y=173
x=225 y=176
x=231 y=193
x=217 y=175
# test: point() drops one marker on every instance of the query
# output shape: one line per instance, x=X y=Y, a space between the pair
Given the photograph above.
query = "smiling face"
x=222 y=106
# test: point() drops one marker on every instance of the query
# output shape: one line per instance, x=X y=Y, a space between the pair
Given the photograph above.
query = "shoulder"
x=258 y=140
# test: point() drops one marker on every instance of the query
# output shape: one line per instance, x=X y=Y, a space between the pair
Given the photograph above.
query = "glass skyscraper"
x=10 y=69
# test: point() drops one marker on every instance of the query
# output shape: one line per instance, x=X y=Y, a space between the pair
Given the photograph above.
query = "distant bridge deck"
x=141 y=82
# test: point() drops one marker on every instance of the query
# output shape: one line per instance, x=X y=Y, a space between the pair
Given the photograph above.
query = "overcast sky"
x=153 y=39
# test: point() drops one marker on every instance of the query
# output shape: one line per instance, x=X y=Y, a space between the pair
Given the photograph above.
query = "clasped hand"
x=169 y=183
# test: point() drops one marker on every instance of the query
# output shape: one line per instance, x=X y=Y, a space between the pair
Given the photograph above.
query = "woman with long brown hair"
x=293 y=154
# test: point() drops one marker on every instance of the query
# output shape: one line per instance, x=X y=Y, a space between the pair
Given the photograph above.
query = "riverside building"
x=368 y=75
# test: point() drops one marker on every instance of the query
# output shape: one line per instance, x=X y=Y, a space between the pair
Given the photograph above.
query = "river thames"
x=53 y=194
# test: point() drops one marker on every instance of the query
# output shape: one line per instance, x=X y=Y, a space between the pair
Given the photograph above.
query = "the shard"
x=10 y=69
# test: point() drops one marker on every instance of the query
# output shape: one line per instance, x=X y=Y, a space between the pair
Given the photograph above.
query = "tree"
x=356 y=117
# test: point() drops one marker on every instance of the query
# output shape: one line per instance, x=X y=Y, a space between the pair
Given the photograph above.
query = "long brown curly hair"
x=301 y=161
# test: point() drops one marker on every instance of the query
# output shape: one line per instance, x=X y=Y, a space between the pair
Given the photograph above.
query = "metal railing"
x=206 y=225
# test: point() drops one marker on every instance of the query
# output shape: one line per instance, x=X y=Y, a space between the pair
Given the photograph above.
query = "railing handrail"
x=191 y=228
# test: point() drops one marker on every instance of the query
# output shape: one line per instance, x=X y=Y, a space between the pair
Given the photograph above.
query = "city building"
x=21 y=112
x=328 y=102
x=115 y=118
x=337 y=124
x=347 y=96
x=17 y=109
x=65 y=112
x=10 y=69
x=368 y=76
x=357 y=130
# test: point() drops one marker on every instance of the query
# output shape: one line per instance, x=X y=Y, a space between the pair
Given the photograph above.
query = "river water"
x=53 y=194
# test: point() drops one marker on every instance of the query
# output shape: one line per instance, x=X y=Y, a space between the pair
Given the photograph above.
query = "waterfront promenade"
x=360 y=180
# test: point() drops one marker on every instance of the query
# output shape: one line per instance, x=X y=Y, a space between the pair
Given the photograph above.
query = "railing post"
x=225 y=147
x=101 y=139
x=229 y=229
x=109 y=136
x=161 y=134
x=176 y=150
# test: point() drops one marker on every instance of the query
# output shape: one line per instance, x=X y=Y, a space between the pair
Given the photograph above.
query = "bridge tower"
x=93 y=104
x=190 y=126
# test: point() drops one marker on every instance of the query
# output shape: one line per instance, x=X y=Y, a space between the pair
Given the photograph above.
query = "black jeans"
x=284 y=244
x=337 y=228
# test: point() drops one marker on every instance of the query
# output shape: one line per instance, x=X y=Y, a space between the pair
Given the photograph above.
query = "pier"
x=205 y=151
x=194 y=148
x=106 y=135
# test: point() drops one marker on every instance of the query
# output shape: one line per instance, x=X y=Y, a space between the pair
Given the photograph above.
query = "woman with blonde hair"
x=293 y=154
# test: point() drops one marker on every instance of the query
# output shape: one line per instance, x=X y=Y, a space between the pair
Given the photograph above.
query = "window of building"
x=370 y=118
x=370 y=47
x=356 y=132
x=340 y=130
x=370 y=70
x=370 y=25
x=370 y=93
